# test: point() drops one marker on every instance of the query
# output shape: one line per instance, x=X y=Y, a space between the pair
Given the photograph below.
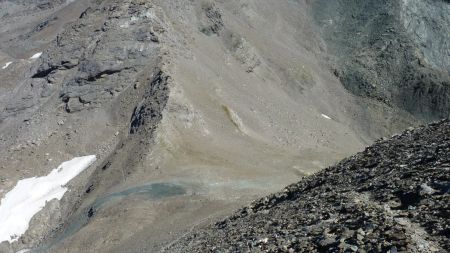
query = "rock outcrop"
x=398 y=53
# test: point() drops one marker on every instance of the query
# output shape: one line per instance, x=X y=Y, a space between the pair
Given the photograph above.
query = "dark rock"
x=214 y=20
x=90 y=212
x=387 y=60
x=149 y=110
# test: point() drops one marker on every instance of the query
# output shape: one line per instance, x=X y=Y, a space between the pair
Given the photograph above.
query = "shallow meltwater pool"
x=150 y=191
x=153 y=191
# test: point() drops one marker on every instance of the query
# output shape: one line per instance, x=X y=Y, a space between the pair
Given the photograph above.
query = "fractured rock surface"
x=398 y=53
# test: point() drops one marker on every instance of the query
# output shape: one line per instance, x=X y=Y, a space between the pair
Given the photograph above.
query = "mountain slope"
x=393 y=197
x=195 y=108
x=392 y=52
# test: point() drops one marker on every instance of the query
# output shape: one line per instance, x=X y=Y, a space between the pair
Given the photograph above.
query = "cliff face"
x=425 y=22
x=395 y=52
x=393 y=197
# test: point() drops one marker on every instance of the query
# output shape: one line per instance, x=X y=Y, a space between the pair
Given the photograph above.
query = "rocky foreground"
x=393 y=197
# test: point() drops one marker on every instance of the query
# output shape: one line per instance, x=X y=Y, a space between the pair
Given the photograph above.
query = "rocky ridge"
x=392 y=197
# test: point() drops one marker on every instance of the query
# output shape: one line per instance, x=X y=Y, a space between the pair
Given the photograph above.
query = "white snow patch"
x=30 y=195
x=36 y=56
x=23 y=251
x=7 y=64
x=149 y=14
x=325 y=116
x=125 y=25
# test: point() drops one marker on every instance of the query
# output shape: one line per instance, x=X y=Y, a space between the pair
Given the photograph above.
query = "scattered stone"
x=392 y=196
x=214 y=20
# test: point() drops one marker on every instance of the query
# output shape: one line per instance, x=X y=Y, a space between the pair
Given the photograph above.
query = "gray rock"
x=5 y=248
x=74 y=105
x=395 y=55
